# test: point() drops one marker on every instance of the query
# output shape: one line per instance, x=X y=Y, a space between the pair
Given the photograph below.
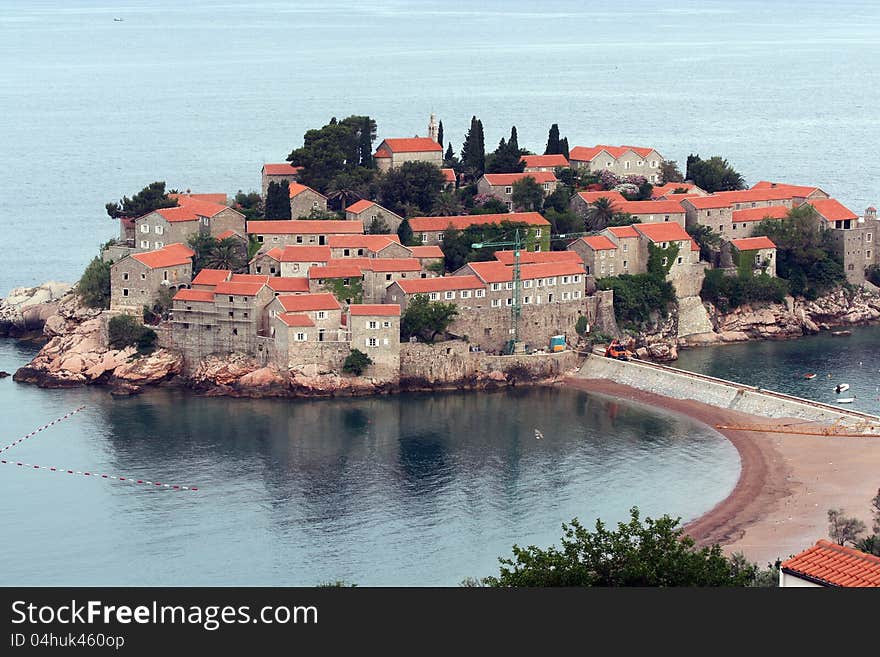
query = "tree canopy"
x=638 y=553
x=211 y=253
x=152 y=197
x=669 y=172
x=507 y=158
x=528 y=195
x=426 y=319
x=93 y=288
x=473 y=152
x=336 y=148
x=250 y=205
x=714 y=174
x=278 y=200
x=413 y=185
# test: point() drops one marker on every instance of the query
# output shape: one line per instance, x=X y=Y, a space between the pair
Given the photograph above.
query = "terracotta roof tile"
x=194 y=295
x=835 y=565
x=801 y=191
x=211 y=276
x=669 y=189
x=190 y=209
x=283 y=169
x=667 y=231
x=249 y=278
x=757 y=214
x=460 y=222
x=752 y=243
x=544 y=161
x=650 y=207
x=305 y=227
x=448 y=175
x=304 y=302
x=218 y=199
x=296 y=189
x=292 y=319
x=335 y=271
x=589 y=153
x=529 y=257
x=494 y=271
x=622 y=231
x=832 y=210
x=426 y=251
x=360 y=206
x=598 y=243
x=499 y=179
x=242 y=289
x=167 y=256
x=591 y=197
x=288 y=284
x=440 y=284
x=411 y=145
x=375 y=309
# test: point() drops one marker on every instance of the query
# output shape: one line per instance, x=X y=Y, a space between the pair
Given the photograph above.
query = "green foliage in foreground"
x=125 y=331
x=637 y=296
x=94 y=285
x=356 y=362
x=639 y=553
x=729 y=292
x=426 y=319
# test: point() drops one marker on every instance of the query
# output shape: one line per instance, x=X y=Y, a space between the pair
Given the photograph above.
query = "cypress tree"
x=405 y=233
x=513 y=142
x=450 y=154
x=440 y=134
x=278 y=200
x=553 y=145
x=563 y=146
x=473 y=152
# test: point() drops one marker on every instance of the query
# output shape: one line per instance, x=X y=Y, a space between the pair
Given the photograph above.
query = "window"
x=708 y=213
x=125 y=291
x=439 y=237
x=565 y=280
x=424 y=237
x=625 y=265
x=665 y=260
x=245 y=315
x=680 y=260
x=434 y=296
x=231 y=299
x=609 y=164
x=868 y=237
x=588 y=270
x=480 y=293
x=577 y=294
x=551 y=281
x=577 y=277
x=537 y=247
x=509 y=285
x=145 y=244
x=654 y=163
x=601 y=255
x=388 y=277
x=299 y=239
x=360 y=252
x=546 y=187
x=231 y=314
x=565 y=296
x=611 y=269
x=549 y=298
x=640 y=163
x=259 y=268
x=315 y=204
x=625 y=247
x=734 y=226
x=527 y=299
x=465 y=294
x=868 y=254
x=321 y=314
x=143 y=277
x=496 y=303
x=602 y=270
x=165 y=275
x=509 y=301
x=158 y=230
x=537 y=232
x=125 y=276
x=527 y=284
x=346 y=252
x=508 y=190
x=301 y=337
x=626 y=165
x=496 y=287
x=145 y=228
x=666 y=217
x=449 y=295
x=259 y=238
x=386 y=324
x=372 y=325
x=754 y=205
x=664 y=245
x=509 y=205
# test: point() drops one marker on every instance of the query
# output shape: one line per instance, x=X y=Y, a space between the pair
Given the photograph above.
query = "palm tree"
x=447 y=205
x=226 y=254
x=599 y=214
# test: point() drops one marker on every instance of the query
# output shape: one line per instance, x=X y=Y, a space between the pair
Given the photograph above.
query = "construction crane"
x=516 y=305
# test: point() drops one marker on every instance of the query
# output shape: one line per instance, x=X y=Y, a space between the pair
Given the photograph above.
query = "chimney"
x=871 y=213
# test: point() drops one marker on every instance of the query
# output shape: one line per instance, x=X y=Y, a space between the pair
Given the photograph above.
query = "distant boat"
x=845 y=400
x=841 y=387
x=809 y=376
x=118 y=20
x=840 y=333
x=538 y=434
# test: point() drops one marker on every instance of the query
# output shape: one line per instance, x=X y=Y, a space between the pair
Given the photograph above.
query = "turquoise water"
x=415 y=489
x=782 y=365
x=200 y=94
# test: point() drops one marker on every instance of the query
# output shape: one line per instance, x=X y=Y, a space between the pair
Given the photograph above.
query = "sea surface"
x=406 y=490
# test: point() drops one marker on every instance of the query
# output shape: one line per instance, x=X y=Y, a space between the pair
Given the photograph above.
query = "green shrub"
x=637 y=296
x=356 y=362
x=125 y=331
x=94 y=285
x=580 y=326
x=729 y=292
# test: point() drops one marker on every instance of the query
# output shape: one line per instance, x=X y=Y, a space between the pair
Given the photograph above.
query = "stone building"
x=620 y=160
x=379 y=273
x=650 y=212
x=137 y=279
x=449 y=179
x=710 y=211
x=550 y=163
x=192 y=217
x=375 y=330
x=342 y=276
x=286 y=232
x=305 y=200
x=500 y=185
x=853 y=236
x=392 y=153
x=603 y=257
x=322 y=309
x=757 y=254
x=673 y=190
x=207 y=279
x=743 y=222
x=277 y=173
x=429 y=230
x=686 y=272
x=369 y=211
x=367 y=246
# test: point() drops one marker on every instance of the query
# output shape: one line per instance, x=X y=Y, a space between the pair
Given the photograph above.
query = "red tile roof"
x=460 y=222
x=669 y=189
x=249 y=278
x=498 y=179
x=528 y=257
x=305 y=227
x=292 y=319
x=622 y=231
x=835 y=565
x=371 y=242
x=393 y=264
x=211 y=276
x=448 y=175
x=592 y=197
x=588 y=153
x=694 y=245
x=283 y=169
x=190 y=210
x=335 y=271
x=598 y=243
x=375 y=309
x=242 y=289
x=494 y=271
x=668 y=231
x=194 y=295
x=754 y=195
x=426 y=251
x=801 y=191
x=288 y=284
x=544 y=161
x=650 y=207
x=710 y=202
x=304 y=302
x=227 y=234
x=832 y=210
x=753 y=243
x=296 y=189
x=440 y=284
x=382 y=153
x=219 y=199
x=757 y=214
x=411 y=145
x=304 y=254
x=274 y=253
x=167 y=256
x=360 y=206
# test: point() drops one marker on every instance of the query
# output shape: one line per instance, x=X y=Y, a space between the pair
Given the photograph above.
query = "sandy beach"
x=787 y=483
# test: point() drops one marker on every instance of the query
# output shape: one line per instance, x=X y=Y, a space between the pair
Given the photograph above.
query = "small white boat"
x=845 y=400
x=538 y=434
x=841 y=387
x=810 y=376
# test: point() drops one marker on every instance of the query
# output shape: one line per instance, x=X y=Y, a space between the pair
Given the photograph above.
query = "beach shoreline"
x=770 y=513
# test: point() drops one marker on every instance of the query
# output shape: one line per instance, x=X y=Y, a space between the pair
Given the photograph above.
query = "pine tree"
x=553 y=146
x=278 y=200
x=440 y=134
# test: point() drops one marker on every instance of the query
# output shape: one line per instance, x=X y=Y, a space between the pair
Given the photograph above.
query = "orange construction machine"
x=619 y=351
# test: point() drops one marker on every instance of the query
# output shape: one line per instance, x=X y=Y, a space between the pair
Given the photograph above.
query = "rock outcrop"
x=26 y=309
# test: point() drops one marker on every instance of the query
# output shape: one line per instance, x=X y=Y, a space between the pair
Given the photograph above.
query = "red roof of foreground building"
x=249 y=278
x=167 y=256
x=226 y=234
x=292 y=319
x=303 y=302
x=588 y=153
x=411 y=145
x=335 y=271
x=296 y=189
x=835 y=565
x=753 y=243
x=194 y=295
x=529 y=257
x=591 y=197
x=426 y=251
x=669 y=189
x=371 y=242
x=710 y=202
x=448 y=175
x=441 y=284
x=375 y=309
x=191 y=209
x=598 y=243
x=460 y=222
x=493 y=271
x=797 y=190
x=832 y=210
x=650 y=207
x=622 y=231
x=304 y=254
x=393 y=264
x=211 y=276
x=498 y=179
x=247 y=289
x=360 y=206
x=757 y=214
x=288 y=284
x=305 y=227
x=668 y=231
x=218 y=199
x=554 y=161
x=283 y=169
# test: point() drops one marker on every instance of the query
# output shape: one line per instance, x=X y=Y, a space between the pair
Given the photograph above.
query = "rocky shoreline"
x=77 y=352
